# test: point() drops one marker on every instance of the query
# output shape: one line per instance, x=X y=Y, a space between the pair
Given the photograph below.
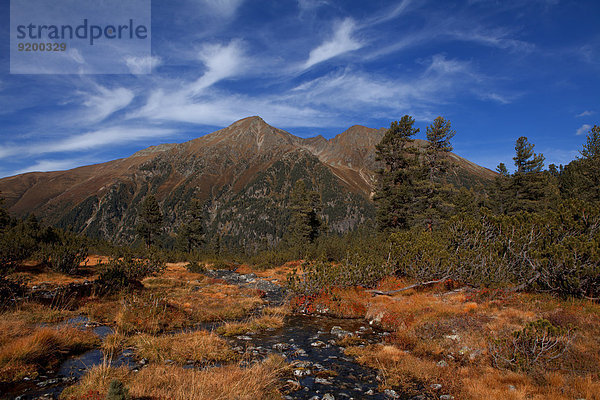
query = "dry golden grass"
x=255 y=325
x=101 y=309
x=95 y=381
x=214 y=302
x=400 y=369
x=173 y=382
x=489 y=383
x=148 y=313
x=113 y=344
x=41 y=349
x=432 y=325
x=199 y=346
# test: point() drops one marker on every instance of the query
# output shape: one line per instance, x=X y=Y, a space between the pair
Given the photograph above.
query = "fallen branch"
x=381 y=293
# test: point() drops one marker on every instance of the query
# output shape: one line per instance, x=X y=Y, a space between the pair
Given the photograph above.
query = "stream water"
x=321 y=370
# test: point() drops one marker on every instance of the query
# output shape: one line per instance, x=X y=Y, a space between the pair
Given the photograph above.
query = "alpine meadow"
x=311 y=200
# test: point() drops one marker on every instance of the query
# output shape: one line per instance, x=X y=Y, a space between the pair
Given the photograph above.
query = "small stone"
x=453 y=337
x=328 y=396
x=442 y=363
x=436 y=386
x=301 y=372
x=243 y=337
x=392 y=394
x=318 y=343
x=322 y=381
x=511 y=388
x=370 y=392
x=446 y=397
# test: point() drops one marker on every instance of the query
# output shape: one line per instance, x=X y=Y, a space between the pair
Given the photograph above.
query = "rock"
x=392 y=394
x=301 y=372
x=436 y=386
x=319 y=343
x=511 y=388
x=302 y=364
x=339 y=332
x=328 y=396
x=244 y=337
x=322 y=381
x=446 y=397
x=453 y=337
x=442 y=363
x=370 y=392
x=376 y=319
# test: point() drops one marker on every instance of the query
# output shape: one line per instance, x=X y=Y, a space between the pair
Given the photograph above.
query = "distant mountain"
x=244 y=173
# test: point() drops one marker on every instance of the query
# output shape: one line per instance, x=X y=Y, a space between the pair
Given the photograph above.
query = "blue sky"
x=496 y=69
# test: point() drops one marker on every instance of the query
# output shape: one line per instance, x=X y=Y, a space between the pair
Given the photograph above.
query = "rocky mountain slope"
x=243 y=173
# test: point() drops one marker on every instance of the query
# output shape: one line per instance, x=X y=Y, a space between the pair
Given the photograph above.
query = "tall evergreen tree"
x=192 y=231
x=151 y=220
x=435 y=197
x=590 y=166
x=394 y=193
x=306 y=225
x=4 y=216
x=501 y=191
x=531 y=188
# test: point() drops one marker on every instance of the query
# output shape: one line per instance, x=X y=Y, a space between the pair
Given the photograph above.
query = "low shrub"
x=127 y=272
x=65 y=254
x=532 y=348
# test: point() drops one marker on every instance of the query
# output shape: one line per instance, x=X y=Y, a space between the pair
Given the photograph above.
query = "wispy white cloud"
x=86 y=141
x=106 y=102
x=142 y=65
x=388 y=14
x=221 y=62
x=583 y=129
x=341 y=42
x=52 y=165
x=586 y=113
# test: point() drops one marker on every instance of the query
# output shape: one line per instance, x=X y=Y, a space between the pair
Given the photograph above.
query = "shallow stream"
x=321 y=370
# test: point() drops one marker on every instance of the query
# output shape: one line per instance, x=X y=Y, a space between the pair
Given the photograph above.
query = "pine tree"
x=501 y=191
x=306 y=225
x=4 y=216
x=531 y=188
x=192 y=231
x=394 y=194
x=151 y=220
x=434 y=199
x=590 y=166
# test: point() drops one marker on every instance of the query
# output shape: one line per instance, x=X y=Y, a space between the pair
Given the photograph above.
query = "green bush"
x=554 y=251
x=361 y=268
x=117 y=391
x=65 y=254
x=533 y=348
x=127 y=272
x=196 y=267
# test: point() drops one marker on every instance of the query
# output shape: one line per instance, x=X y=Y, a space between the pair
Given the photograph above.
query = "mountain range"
x=242 y=173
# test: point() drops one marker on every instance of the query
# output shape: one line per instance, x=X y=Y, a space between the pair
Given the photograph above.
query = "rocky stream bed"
x=321 y=370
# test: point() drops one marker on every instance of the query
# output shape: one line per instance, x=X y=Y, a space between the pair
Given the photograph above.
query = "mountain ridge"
x=233 y=170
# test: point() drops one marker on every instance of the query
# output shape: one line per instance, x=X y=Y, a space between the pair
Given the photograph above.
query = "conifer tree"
x=4 y=216
x=151 y=220
x=589 y=185
x=394 y=194
x=434 y=200
x=192 y=231
x=501 y=191
x=531 y=189
x=306 y=225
